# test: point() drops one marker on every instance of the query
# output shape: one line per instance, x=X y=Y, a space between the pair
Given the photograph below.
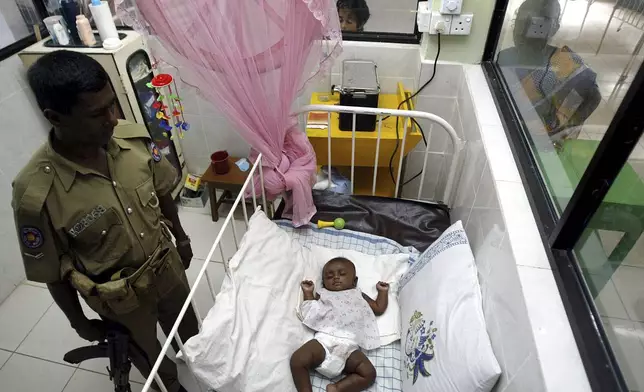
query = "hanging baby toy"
x=168 y=106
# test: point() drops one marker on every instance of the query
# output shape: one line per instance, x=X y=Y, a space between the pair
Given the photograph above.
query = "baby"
x=344 y=319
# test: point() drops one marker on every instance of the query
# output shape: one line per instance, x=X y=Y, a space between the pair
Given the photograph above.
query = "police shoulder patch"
x=156 y=153
x=31 y=237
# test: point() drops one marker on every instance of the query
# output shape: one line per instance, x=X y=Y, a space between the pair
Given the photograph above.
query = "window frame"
x=25 y=42
x=561 y=234
x=395 y=38
x=368 y=36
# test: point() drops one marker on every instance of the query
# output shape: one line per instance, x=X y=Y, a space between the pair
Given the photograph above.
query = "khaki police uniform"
x=107 y=237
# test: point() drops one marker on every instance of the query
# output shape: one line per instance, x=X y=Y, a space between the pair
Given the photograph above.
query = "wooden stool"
x=229 y=183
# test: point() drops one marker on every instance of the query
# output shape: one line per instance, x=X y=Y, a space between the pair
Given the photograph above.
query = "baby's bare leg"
x=305 y=358
x=360 y=374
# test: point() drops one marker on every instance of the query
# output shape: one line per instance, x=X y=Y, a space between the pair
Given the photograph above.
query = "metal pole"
x=400 y=161
x=261 y=184
x=375 y=162
x=329 y=148
x=353 y=153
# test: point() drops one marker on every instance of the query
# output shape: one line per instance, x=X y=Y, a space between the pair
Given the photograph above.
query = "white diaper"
x=337 y=352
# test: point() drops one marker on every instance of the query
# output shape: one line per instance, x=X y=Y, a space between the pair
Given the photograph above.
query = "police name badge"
x=31 y=237
x=87 y=221
x=156 y=153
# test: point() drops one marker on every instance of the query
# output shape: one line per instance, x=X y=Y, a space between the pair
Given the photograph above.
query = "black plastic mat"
x=410 y=223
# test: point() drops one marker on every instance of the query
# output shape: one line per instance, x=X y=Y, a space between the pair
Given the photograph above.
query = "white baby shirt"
x=343 y=314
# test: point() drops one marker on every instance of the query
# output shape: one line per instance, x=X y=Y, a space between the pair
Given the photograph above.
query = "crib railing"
x=256 y=172
x=406 y=116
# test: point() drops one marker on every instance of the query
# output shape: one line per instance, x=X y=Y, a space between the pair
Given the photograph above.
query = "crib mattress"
x=408 y=222
x=386 y=359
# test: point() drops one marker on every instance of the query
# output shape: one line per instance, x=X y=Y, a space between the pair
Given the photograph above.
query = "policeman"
x=94 y=213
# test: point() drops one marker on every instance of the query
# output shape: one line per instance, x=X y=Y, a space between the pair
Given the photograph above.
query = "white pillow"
x=370 y=270
x=445 y=345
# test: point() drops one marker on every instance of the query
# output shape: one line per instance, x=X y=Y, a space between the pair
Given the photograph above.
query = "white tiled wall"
x=526 y=321
x=440 y=97
x=402 y=63
x=209 y=129
x=22 y=131
x=395 y=62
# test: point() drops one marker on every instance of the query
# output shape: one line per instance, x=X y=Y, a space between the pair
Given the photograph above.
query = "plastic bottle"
x=103 y=19
x=85 y=30
x=61 y=34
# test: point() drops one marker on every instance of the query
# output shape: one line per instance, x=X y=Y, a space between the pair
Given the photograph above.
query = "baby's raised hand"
x=382 y=286
x=307 y=286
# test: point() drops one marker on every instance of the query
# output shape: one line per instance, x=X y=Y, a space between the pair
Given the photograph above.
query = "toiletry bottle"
x=85 y=30
x=61 y=34
x=103 y=19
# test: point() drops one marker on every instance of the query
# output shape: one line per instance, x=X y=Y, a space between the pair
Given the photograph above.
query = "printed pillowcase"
x=445 y=345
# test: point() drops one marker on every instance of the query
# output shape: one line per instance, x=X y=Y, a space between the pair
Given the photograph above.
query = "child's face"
x=338 y=275
x=348 y=21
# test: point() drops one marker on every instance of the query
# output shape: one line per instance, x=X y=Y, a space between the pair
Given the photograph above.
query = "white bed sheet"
x=252 y=330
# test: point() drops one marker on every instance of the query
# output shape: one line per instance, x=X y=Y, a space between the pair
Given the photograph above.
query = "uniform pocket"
x=147 y=195
x=127 y=302
x=149 y=203
x=101 y=242
x=169 y=274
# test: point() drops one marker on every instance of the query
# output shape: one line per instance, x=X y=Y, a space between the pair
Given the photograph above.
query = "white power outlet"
x=539 y=27
x=440 y=24
x=451 y=6
x=461 y=24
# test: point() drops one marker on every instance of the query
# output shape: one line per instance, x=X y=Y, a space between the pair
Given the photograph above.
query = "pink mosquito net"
x=251 y=58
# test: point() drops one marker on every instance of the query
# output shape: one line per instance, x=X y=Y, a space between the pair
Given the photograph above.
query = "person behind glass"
x=354 y=14
x=561 y=88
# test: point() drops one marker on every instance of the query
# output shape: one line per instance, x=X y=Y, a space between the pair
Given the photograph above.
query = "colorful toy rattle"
x=338 y=223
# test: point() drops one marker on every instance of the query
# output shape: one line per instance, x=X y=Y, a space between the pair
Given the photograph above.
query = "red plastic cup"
x=220 y=163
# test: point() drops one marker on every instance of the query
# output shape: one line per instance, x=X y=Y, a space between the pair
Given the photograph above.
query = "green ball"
x=338 y=223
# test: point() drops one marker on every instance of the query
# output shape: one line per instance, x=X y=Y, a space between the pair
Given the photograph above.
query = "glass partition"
x=382 y=16
x=567 y=66
x=610 y=253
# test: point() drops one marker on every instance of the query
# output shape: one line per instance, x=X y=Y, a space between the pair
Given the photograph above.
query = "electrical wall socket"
x=539 y=27
x=437 y=17
x=451 y=6
x=461 y=24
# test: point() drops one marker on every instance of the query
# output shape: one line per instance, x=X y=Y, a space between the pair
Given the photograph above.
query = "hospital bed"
x=374 y=225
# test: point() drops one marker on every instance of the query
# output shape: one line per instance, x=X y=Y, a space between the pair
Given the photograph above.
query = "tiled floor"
x=621 y=305
x=35 y=333
x=613 y=56
x=609 y=63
